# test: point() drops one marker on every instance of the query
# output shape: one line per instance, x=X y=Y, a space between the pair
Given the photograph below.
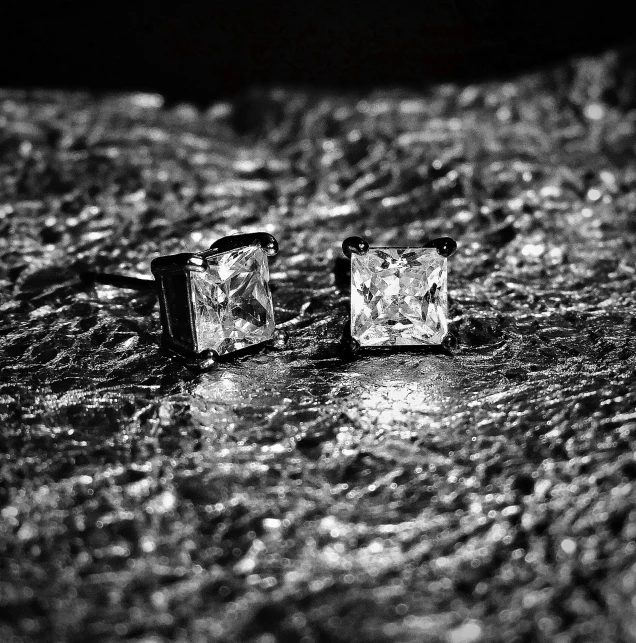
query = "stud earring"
x=212 y=303
x=398 y=295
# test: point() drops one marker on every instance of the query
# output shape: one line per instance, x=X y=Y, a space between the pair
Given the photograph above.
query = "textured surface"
x=399 y=297
x=291 y=495
x=232 y=301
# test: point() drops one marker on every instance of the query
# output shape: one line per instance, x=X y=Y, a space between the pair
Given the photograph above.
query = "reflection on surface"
x=393 y=392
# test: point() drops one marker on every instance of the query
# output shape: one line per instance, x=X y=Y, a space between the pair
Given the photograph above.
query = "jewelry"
x=398 y=295
x=212 y=303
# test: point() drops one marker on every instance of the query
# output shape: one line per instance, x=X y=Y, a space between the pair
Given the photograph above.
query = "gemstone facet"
x=399 y=297
x=232 y=302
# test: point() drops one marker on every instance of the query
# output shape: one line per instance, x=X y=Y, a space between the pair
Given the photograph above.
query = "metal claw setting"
x=354 y=245
x=386 y=284
x=202 y=296
x=445 y=246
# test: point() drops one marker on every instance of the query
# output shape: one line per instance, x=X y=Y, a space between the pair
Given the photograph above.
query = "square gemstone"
x=232 y=302
x=398 y=297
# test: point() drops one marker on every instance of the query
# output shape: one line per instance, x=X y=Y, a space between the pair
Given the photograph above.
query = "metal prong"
x=350 y=346
x=354 y=245
x=120 y=281
x=445 y=246
x=193 y=360
x=267 y=242
x=207 y=359
x=449 y=343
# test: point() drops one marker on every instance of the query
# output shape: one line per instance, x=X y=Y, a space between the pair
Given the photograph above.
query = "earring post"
x=119 y=281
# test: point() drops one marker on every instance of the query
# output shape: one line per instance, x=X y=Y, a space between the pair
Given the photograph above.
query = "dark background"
x=197 y=50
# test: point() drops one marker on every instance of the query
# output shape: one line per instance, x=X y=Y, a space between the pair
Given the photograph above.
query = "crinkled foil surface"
x=292 y=495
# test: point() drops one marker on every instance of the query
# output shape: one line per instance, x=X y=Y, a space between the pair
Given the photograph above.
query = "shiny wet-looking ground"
x=292 y=495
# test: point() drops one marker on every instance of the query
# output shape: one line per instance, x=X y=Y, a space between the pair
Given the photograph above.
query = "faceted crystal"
x=232 y=301
x=398 y=297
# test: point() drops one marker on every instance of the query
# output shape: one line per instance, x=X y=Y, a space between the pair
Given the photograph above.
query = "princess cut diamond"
x=232 y=302
x=398 y=297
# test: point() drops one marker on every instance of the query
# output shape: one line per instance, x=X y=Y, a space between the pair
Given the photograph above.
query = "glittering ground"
x=291 y=495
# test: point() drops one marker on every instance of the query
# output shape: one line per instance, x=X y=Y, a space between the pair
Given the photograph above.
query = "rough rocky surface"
x=292 y=495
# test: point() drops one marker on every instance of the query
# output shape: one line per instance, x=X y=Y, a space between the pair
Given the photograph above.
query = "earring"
x=212 y=303
x=398 y=295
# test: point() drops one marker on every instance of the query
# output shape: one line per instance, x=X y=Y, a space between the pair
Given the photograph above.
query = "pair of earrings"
x=217 y=302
